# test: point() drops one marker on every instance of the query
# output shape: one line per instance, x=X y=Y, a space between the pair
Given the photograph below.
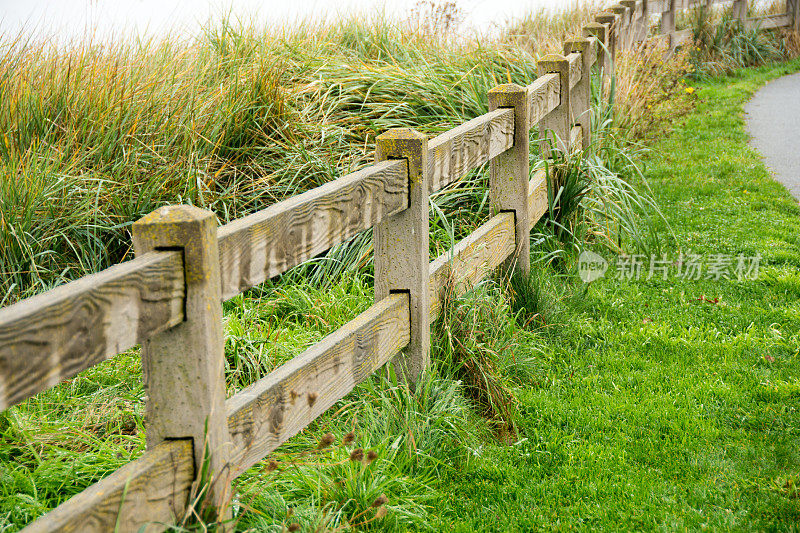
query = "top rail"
x=260 y=246
x=55 y=335
x=466 y=147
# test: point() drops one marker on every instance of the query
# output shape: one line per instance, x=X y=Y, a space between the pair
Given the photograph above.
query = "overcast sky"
x=73 y=18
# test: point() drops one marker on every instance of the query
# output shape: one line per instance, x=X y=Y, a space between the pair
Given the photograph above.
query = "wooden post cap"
x=553 y=64
x=605 y=17
x=576 y=44
x=403 y=143
x=595 y=29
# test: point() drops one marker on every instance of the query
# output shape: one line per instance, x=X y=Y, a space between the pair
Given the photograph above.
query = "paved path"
x=773 y=120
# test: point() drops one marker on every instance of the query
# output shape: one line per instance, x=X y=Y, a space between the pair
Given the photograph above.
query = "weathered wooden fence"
x=169 y=299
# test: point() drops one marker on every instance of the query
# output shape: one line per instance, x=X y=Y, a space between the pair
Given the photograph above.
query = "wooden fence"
x=169 y=299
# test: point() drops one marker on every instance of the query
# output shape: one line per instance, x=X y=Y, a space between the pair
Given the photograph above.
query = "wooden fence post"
x=580 y=96
x=401 y=247
x=609 y=21
x=623 y=25
x=793 y=10
x=184 y=367
x=634 y=22
x=599 y=31
x=668 y=22
x=558 y=120
x=740 y=10
x=510 y=172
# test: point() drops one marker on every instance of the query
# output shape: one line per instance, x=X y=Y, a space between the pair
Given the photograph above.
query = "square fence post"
x=510 y=172
x=793 y=10
x=609 y=20
x=600 y=32
x=739 y=10
x=184 y=367
x=558 y=120
x=401 y=248
x=580 y=96
x=668 y=21
x=623 y=25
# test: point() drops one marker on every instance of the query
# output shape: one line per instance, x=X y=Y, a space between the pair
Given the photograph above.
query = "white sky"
x=67 y=19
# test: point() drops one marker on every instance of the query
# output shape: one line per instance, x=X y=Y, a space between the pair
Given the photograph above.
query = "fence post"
x=599 y=31
x=668 y=22
x=401 y=247
x=184 y=367
x=609 y=20
x=793 y=10
x=510 y=171
x=580 y=97
x=740 y=10
x=623 y=27
x=634 y=23
x=558 y=120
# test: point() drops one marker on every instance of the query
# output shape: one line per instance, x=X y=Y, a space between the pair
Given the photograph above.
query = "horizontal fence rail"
x=54 y=336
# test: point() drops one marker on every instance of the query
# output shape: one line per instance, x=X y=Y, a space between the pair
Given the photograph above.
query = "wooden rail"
x=172 y=292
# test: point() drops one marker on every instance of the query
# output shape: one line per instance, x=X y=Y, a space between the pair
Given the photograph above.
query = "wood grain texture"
x=278 y=406
x=459 y=150
x=537 y=196
x=575 y=66
x=544 y=95
x=576 y=138
x=260 y=246
x=680 y=37
x=142 y=496
x=472 y=259
x=55 y=335
x=769 y=22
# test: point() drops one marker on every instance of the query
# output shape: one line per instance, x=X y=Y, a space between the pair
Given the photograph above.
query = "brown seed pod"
x=380 y=500
x=325 y=441
x=350 y=437
x=371 y=456
x=272 y=465
x=294 y=526
x=357 y=454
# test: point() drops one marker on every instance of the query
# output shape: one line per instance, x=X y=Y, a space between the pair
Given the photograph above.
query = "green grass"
x=640 y=404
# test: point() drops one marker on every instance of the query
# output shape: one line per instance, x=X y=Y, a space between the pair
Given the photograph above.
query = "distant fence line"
x=169 y=299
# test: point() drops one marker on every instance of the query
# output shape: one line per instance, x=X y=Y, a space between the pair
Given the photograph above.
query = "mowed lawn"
x=668 y=404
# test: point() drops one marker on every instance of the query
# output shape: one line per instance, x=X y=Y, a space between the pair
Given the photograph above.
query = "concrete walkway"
x=773 y=121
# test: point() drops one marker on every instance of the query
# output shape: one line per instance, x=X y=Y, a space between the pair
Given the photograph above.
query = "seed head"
x=380 y=500
x=350 y=437
x=371 y=456
x=325 y=441
x=272 y=466
x=294 y=526
x=357 y=454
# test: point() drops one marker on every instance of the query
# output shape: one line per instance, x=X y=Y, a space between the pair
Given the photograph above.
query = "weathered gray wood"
x=575 y=68
x=401 y=247
x=544 y=97
x=144 y=495
x=508 y=179
x=472 y=259
x=537 y=195
x=554 y=127
x=769 y=22
x=668 y=19
x=793 y=11
x=633 y=21
x=609 y=20
x=184 y=367
x=622 y=32
x=55 y=335
x=678 y=38
x=597 y=35
x=260 y=246
x=278 y=406
x=581 y=93
x=466 y=147
x=576 y=138
x=739 y=10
